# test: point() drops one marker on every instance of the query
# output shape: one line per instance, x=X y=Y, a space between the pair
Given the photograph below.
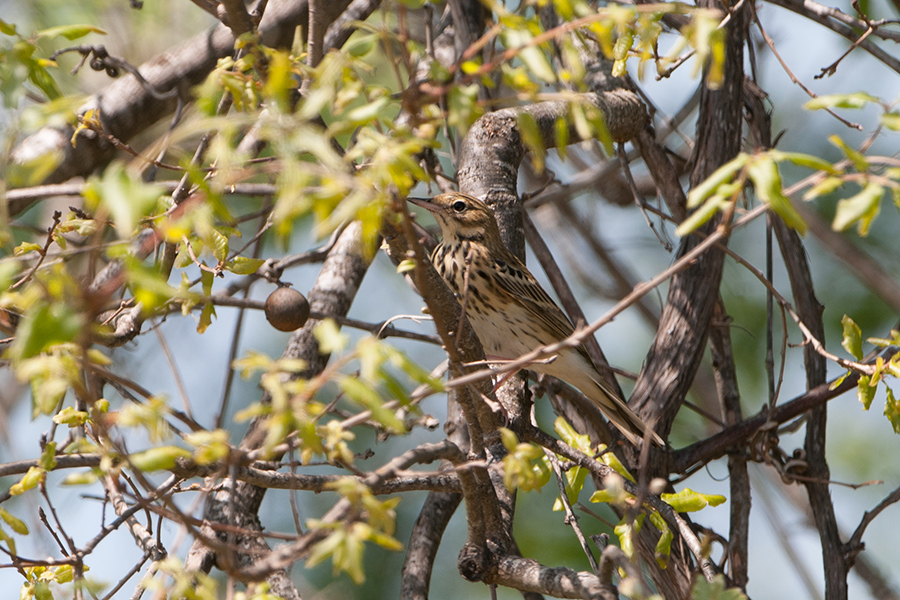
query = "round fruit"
x=287 y=309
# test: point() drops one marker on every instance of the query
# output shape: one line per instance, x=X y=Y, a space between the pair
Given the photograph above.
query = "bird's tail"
x=617 y=411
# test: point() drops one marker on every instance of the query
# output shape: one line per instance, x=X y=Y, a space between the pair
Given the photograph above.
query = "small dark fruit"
x=287 y=309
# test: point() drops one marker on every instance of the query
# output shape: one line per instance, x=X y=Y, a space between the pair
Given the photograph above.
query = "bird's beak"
x=424 y=203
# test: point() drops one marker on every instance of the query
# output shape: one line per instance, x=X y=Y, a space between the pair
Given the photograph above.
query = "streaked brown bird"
x=508 y=309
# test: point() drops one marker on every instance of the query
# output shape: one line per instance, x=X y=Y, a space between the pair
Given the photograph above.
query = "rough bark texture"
x=492 y=151
x=818 y=474
x=738 y=477
x=424 y=541
x=677 y=350
x=678 y=347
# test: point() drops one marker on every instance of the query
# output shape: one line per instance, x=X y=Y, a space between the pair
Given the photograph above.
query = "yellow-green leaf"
x=70 y=32
x=48 y=456
x=805 y=160
x=892 y=410
x=891 y=120
x=17 y=525
x=84 y=478
x=826 y=186
x=32 y=478
x=71 y=417
x=157 y=459
x=687 y=500
x=531 y=136
x=852 y=340
x=763 y=171
x=43 y=326
x=722 y=175
x=368 y=397
x=25 y=248
x=125 y=196
x=664 y=544
x=859 y=161
x=855 y=100
x=406 y=265
x=715 y=590
x=241 y=265
x=865 y=391
x=330 y=337
x=701 y=215
x=862 y=208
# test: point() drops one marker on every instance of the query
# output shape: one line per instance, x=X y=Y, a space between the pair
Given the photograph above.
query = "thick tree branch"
x=818 y=474
x=127 y=108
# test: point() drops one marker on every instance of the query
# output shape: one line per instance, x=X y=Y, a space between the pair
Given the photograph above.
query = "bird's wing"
x=519 y=283
x=515 y=280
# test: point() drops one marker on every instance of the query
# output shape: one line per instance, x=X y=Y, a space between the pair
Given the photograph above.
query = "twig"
x=790 y=73
x=571 y=518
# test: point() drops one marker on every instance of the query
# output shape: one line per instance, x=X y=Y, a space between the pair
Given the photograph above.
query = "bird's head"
x=460 y=216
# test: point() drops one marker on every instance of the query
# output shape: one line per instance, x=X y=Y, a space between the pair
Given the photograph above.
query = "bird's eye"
x=459 y=206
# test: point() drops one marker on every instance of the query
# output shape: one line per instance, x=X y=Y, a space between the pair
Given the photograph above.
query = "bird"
x=509 y=310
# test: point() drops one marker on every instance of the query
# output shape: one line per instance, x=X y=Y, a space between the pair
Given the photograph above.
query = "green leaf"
x=360 y=45
x=241 y=265
x=852 y=340
x=209 y=446
x=71 y=417
x=127 y=198
x=532 y=138
x=858 y=159
x=367 y=112
x=7 y=28
x=533 y=57
x=366 y=396
x=43 y=326
x=25 y=248
x=763 y=171
x=31 y=479
x=17 y=525
x=891 y=120
x=148 y=285
x=894 y=340
x=462 y=106
x=206 y=316
x=862 y=208
x=715 y=590
x=865 y=391
x=701 y=215
x=663 y=550
x=855 y=100
x=329 y=336
x=626 y=530
x=722 y=175
x=83 y=478
x=568 y=434
x=219 y=245
x=407 y=265
x=561 y=136
x=31 y=171
x=892 y=410
x=805 y=160
x=70 y=32
x=687 y=500
x=157 y=459
x=48 y=457
x=509 y=439
x=826 y=186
